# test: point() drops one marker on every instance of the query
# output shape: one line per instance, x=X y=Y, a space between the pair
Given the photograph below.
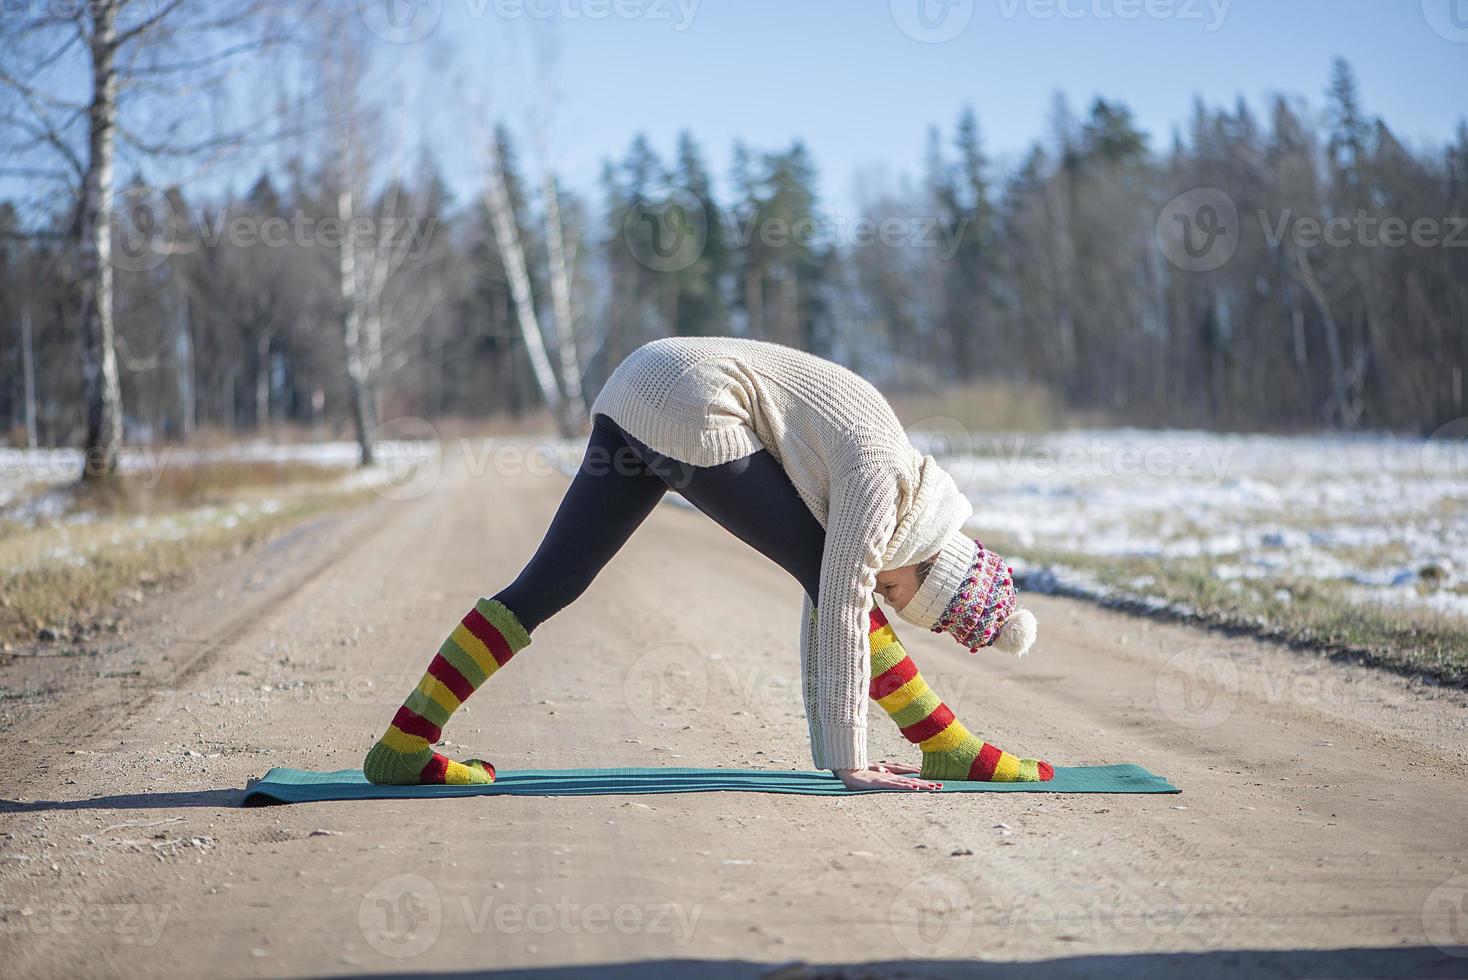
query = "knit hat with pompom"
x=969 y=593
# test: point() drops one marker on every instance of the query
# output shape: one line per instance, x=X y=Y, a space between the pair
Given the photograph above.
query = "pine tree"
x=700 y=307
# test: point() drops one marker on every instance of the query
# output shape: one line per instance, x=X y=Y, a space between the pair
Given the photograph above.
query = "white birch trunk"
x=262 y=380
x=507 y=237
x=1341 y=406
x=28 y=369
x=561 y=294
x=358 y=380
x=183 y=360
x=99 y=356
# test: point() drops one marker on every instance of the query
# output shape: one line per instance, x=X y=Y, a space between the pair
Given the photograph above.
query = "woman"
x=806 y=462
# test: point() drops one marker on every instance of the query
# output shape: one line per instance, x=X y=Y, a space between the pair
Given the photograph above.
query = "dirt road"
x=1321 y=829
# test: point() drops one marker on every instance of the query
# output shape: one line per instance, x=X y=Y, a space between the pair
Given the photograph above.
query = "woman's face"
x=897 y=586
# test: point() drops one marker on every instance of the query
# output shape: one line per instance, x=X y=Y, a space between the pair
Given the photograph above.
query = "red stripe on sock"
x=434 y=770
x=876 y=620
x=889 y=680
x=499 y=647
x=448 y=675
x=984 y=764
x=1047 y=771
x=940 y=719
x=411 y=722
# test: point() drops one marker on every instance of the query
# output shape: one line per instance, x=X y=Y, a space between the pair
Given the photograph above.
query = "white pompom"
x=1017 y=634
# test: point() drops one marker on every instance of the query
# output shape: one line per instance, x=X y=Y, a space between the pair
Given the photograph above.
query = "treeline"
x=1290 y=272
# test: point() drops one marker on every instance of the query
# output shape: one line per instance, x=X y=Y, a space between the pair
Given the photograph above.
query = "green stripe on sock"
x=918 y=709
x=502 y=619
x=384 y=766
x=424 y=706
x=463 y=663
x=887 y=657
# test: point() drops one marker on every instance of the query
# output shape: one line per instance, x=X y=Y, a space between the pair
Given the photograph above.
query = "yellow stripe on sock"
x=400 y=741
x=949 y=738
x=881 y=640
x=458 y=774
x=904 y=695
x=475 y=648
x=434 y=688
x=1029 y=770
x=1007 y=771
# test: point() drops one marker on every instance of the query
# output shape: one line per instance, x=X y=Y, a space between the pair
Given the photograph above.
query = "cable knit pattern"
x=712 y=400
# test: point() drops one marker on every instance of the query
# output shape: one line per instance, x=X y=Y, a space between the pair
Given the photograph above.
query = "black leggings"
x=619 y=483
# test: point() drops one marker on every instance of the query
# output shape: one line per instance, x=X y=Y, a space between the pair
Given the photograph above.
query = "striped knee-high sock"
x=481 y=644
x=950 y=751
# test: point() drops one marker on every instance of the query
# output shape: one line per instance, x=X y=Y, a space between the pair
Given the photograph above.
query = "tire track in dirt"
x=325 y=541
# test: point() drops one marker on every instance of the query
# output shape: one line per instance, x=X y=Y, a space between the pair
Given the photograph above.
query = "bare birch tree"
x=507 y=238
x=146 y=65
x=375 y=316
x=542 y=121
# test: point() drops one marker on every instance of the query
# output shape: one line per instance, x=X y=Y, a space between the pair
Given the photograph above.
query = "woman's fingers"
x=899 y=767
x=879 y=777
x=893 y=781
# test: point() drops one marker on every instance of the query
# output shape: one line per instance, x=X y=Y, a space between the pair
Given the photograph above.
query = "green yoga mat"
x=302 y=786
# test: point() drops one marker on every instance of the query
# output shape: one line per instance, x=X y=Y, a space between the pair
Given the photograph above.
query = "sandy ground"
x=1322 y=828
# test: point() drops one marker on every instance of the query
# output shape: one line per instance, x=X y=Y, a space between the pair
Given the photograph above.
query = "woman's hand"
x=885 y=775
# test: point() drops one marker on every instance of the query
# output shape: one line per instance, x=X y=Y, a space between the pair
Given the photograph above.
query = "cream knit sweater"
x=712 y=400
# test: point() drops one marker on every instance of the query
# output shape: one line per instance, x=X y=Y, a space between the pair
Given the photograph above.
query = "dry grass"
x=176 y=487
x=64 y=580
x=988 y=406
x=538 y=422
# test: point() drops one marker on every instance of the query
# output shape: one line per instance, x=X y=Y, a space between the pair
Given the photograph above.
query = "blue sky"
x=860 y=89
x=845 y=77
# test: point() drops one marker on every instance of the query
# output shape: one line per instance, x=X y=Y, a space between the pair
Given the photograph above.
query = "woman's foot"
x=387 y=766
x=950 y=751
x=969 y=757
x=482 y=643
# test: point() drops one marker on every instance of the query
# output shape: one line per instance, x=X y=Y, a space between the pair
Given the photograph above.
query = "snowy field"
x=1382 y=517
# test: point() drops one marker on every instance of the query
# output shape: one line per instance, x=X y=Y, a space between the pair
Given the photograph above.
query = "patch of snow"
x=1368 y=511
